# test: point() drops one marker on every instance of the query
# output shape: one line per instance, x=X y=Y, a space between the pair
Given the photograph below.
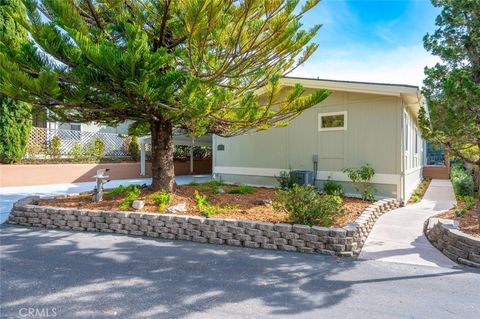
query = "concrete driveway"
x=97 y=275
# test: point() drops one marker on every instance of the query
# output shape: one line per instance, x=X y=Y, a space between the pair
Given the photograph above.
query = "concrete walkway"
x=398 y=235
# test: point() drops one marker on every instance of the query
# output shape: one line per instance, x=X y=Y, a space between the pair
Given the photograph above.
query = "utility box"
x=303 y=177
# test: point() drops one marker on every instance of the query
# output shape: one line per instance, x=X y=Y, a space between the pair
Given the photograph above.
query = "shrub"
x=361 y=181
x=161 y=199
x=55 y=148
x=98 y=149
x=15 y=126
x=134 y=149
x=130 y=195
x=331 y=187
x=121 y=190
x=305 y=206
x=463 y=183
x=203 y=205
x=243 y=189
x=77 y=152
x=286 y=180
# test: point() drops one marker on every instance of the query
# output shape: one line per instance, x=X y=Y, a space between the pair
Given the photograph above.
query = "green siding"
x=372 y=136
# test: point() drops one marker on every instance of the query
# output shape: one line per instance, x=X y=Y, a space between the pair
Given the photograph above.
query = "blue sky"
x=370 y=40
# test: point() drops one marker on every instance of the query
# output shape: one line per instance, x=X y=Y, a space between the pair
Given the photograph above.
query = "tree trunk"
x=163 y=174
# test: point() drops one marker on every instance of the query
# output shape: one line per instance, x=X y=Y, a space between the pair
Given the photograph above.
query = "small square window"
x=75 y=127
x=333 y=121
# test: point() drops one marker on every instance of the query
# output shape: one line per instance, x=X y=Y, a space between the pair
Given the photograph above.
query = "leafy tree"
x=452 y=87
x=200 y=65
x=15 y=125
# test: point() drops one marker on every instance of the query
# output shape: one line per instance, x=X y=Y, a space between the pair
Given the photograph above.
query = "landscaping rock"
x=175 y=209
x=263 y=202
x=138 y=204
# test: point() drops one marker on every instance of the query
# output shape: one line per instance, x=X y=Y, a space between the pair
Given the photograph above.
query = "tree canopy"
x=452 y=87
x=200 y=65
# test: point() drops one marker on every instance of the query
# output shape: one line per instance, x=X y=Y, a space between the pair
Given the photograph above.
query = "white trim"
x=390 y=179
x=343 y=128
x=413 y=170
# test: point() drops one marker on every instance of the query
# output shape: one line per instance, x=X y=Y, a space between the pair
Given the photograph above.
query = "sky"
x=370 y=40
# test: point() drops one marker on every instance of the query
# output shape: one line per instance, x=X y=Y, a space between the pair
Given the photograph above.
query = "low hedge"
x=463 y=183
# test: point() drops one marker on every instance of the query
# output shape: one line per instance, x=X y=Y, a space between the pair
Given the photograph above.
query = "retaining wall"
x=346 y=241
x=453 y=243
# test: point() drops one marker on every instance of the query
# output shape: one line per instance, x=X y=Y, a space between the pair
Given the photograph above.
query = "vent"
x=303 y=177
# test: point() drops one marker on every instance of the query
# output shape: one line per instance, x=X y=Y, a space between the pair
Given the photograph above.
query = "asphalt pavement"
x=64 y=274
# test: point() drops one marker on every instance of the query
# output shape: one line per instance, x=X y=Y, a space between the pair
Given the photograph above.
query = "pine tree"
x=206 y=66
x=452 y=87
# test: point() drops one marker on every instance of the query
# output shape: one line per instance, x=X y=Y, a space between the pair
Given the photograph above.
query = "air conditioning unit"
x=303 y=177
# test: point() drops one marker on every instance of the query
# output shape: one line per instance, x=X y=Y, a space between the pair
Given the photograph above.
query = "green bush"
x=161 y=199
x=331 y=187
x=15 y=126
x=130 y=195
x=463 y=183
x=77 y=152
x=121 y=190
x=361 y=181
x=55 y=148
x=203 y=205
x=98 y=149
x=286 y=180
x=134 y=149
x=305 y=206
x=243 y=189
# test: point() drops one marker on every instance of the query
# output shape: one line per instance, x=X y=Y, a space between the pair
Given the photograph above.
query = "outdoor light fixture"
x=101 y=179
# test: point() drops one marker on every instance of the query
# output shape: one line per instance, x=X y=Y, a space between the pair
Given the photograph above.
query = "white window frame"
x=343 y=128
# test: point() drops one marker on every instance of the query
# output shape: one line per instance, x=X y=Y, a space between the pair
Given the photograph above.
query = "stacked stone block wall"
x=453 y=243
x=345 y=241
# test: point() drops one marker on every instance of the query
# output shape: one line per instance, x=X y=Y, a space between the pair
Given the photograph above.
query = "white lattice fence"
x=41 y=138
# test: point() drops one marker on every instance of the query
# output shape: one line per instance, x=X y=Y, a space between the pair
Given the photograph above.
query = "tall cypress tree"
x=15 y=117
x=199 y=65
x=452 y=87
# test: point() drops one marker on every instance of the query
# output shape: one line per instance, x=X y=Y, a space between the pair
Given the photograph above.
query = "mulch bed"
x=236 y=206
x=422 y=189
x=468 y=222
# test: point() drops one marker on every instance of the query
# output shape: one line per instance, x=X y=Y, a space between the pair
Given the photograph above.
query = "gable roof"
x=410 y=94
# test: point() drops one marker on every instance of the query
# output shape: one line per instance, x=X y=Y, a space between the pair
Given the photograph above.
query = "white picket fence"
x=40 y=140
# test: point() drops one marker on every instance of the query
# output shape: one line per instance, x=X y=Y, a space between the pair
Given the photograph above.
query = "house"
x=358 y=123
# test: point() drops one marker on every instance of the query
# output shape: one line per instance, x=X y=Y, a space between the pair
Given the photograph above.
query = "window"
x=76 y=127
x=332 y=121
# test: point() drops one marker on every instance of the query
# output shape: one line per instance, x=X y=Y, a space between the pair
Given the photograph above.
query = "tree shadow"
x=99 y=275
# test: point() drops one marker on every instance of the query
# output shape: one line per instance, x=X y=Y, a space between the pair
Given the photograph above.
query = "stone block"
x=73 y=223
x=251 y=244
x=290 y=235
x=184 y=237
x=268 y=246
x=70 y=217
x=214 y=221
x=242 y=237
x=234 y=242
x=193 y=232
x=253 y=232
x=287 y=247
x=260 y=239
x=283 y=228
x=247 y=224
x=230 y=222
x=225 y=235
x=199 y=239
x=280 y=241
x=320 y=231
x=209 y=234
x=265 y=226
x=220 y=229
x=338 y=232
x=156 y=223
x=468 y=262
x=326 y=252
x=96 y=219
x=301 y=229
x=297 y=242
x=204 y=227
x=60 y=222
x=271 y=233
x=196 y=220
x=137 y=233
x=33 y=220
x=457 y=251
x=474 y=257
x=167 y=236
x=131 y=227
x=310 y=237
x=236 y=230
x=180 y=219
